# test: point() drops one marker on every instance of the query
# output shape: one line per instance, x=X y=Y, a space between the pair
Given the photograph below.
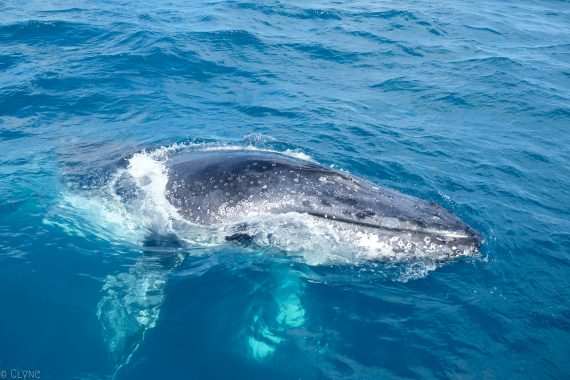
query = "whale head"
x=248 y=188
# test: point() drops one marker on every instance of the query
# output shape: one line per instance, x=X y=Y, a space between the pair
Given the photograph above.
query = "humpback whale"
x=260 y=198
x=224 y=187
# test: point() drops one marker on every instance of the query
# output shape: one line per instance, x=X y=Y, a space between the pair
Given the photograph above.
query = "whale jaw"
x=411 y=239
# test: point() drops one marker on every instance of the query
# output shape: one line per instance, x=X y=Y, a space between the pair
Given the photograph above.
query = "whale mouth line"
x=461 y=237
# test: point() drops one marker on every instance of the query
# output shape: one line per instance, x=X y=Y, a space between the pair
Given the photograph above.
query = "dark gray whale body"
x=219 y=187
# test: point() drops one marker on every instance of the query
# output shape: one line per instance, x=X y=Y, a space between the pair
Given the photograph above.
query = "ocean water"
x=464 y=103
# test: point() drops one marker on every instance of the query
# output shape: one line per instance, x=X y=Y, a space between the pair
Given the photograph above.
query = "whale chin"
x=461 y=237
x=408 y=241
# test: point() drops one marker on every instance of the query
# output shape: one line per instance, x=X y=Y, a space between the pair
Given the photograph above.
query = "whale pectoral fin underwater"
x=271 y=325
x=131 y=302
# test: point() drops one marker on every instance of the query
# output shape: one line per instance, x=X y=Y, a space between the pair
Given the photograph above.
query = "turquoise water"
x=463 y=103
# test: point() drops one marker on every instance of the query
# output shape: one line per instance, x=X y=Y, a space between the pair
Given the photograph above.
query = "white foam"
x=151 y=177
x=83 y=216
x=288 y=152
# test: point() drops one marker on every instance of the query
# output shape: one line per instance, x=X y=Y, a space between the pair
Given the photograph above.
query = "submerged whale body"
x=225 y=187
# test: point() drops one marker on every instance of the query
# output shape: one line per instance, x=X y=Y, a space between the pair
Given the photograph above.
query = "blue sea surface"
x=465 y=103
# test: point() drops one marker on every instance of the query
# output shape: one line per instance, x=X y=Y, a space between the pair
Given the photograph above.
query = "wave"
x=56 y=32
